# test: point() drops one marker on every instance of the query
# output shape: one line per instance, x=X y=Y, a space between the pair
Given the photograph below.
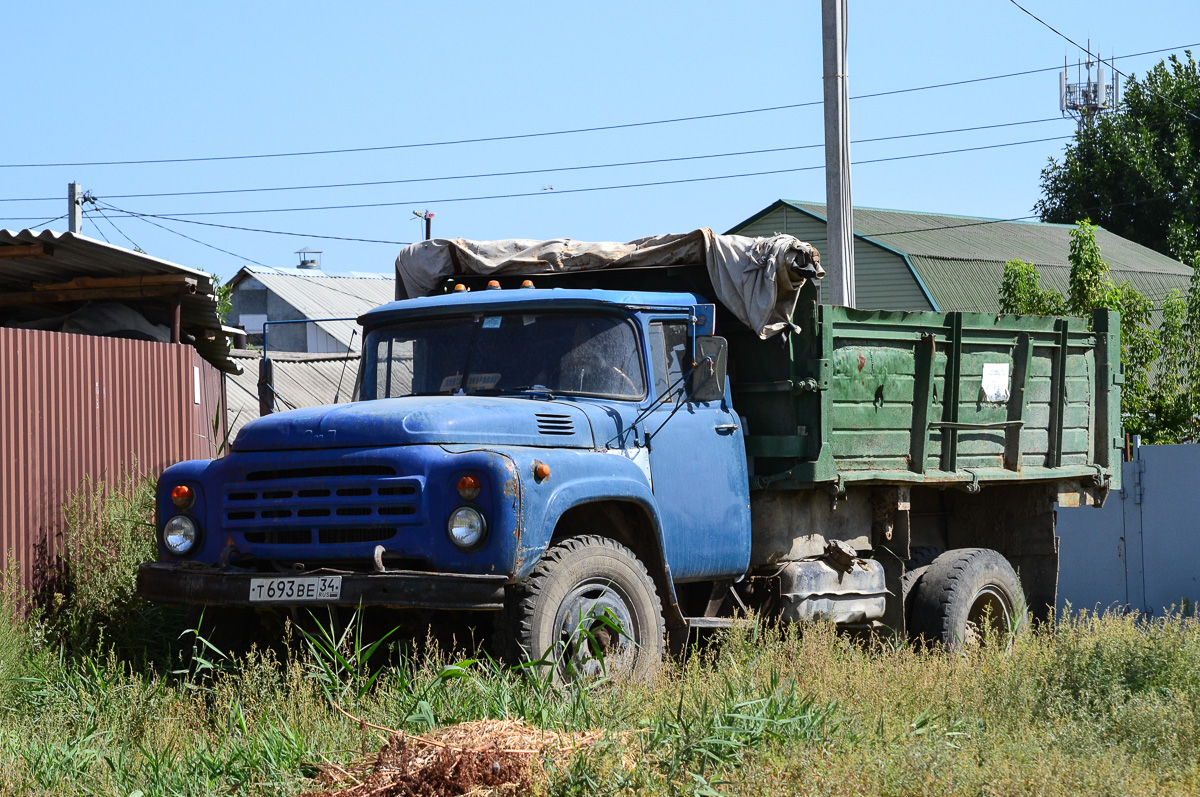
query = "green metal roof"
x=961 y=258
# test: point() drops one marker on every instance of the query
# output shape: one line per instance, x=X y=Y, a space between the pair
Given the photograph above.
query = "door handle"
x=726 y=427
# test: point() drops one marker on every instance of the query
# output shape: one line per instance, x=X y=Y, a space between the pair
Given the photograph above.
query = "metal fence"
x=1141 y=551
x=76 y=406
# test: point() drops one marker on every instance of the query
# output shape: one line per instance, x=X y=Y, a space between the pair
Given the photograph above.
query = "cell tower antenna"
x=1089 y=96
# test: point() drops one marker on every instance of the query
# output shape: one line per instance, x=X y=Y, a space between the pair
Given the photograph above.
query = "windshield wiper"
x=536 y=391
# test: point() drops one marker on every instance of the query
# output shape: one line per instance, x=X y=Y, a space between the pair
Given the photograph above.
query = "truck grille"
x=326 y=506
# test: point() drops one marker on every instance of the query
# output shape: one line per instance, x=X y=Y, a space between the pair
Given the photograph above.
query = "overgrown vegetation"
x=89 y=704
x=1160 y=399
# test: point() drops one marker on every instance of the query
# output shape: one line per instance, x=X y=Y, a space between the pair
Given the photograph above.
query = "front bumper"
x=401 y=589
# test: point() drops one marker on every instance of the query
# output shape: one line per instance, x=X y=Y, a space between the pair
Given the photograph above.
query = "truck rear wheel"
x=964 y=597
x=589 y=607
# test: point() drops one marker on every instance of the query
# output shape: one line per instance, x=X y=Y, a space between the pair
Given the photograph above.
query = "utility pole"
x=838 y=207
x=74 y=208
x=428 y=222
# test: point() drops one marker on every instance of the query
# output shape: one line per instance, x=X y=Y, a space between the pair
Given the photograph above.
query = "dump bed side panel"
x=922 y=397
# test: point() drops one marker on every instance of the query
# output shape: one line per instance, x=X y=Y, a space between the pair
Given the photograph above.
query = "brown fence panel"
x=76 y=406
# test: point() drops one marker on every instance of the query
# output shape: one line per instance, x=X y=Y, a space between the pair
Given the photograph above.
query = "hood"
x=421 y=420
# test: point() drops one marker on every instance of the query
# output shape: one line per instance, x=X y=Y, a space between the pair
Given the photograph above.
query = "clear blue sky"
x=133 y=81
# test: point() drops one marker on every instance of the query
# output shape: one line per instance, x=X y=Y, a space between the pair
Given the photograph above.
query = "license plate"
x=301 y=589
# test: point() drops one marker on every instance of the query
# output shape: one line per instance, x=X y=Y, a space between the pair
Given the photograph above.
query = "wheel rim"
x=585 y=642
x=990 y=617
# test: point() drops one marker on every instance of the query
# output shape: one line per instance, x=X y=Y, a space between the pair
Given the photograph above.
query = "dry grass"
x=93 y=701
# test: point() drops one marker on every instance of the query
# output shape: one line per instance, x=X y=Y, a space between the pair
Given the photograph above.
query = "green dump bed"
x=923 y=397
x=876 y=396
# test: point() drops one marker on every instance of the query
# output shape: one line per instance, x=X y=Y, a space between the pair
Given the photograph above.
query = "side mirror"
x=708 y=377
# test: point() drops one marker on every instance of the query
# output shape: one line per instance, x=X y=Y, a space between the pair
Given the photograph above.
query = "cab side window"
x=670 y=347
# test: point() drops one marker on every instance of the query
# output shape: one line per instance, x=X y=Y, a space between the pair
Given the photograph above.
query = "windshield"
x=559 y=353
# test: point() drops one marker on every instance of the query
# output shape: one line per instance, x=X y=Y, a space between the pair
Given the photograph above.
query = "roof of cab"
x=518 y=298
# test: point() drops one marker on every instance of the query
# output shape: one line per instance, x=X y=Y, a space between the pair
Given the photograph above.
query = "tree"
x=1135 y=172
x=1161 y=397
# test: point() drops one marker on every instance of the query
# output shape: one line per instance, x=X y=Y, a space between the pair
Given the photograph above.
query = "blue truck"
x=566 y=449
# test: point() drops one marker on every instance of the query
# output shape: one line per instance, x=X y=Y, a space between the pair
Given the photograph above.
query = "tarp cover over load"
x=758 y=279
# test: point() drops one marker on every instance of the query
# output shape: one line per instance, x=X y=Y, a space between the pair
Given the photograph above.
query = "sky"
x=137 y=81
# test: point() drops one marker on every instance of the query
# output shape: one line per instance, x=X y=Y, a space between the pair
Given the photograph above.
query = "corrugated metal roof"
x=961 y=260
x=318 y=295
x=73 y=255
x=303 y=380
x=965 y=238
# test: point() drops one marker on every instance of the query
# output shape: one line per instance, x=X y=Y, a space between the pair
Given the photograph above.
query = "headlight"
x=466 y=527
x=179 y=535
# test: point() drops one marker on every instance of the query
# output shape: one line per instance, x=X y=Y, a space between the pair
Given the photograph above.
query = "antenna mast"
x=1089 y=96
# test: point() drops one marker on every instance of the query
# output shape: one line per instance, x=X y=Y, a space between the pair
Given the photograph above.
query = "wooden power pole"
x=838 y=207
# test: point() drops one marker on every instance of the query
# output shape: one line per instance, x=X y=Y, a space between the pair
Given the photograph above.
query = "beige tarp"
x=758 y=279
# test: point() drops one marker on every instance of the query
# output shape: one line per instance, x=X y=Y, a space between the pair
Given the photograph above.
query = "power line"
x=39 y=224
x=1097 y=57
x=522 y=172
x=364 y=205
x=148 y=216
x=114 y=226
x=577 y=168
x=570 y=131
x=190 y=238
x=97 y=226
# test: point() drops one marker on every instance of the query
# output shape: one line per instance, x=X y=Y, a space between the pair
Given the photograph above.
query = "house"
x=263 y=296
x=931 y=261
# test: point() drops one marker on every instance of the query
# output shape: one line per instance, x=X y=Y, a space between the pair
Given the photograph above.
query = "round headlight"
x=466 y=527
x=179 y=534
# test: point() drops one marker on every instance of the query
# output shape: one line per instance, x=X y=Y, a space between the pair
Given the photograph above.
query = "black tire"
x=922 y=555
x=908 y=584
x=552 y=615
x=965 y=596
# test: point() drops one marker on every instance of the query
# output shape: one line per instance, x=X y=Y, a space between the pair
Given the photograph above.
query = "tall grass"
x=1093 y=705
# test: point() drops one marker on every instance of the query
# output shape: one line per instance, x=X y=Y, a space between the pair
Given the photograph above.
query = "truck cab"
x=489 y=427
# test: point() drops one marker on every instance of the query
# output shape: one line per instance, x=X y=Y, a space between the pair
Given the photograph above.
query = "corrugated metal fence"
x=75 y=405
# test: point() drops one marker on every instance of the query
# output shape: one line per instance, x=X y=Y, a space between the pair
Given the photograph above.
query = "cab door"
x=697 y=465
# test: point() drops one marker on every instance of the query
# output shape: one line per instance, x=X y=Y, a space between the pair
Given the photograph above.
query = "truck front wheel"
x=965 y=596
x=588 y=608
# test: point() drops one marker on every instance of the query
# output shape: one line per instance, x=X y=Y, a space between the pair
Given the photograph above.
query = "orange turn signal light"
x=541 y=471
x=182 y=496
x=458 y=286
x=493 y=285
x=527 y=284
x=469 y=487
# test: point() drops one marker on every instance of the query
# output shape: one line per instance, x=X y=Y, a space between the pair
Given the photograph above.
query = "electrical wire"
x=97 y=226
x=579 y=168
x=363 y=205
x=39 y=224
x=190 y=238
x=147 y=216
x=570 y=131
x=1055 y=30
x=99 y=210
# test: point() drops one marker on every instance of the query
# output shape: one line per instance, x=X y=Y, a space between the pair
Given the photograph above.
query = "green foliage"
x=1090 y=286
x=224 y=294
x=1136 y=171
x=89 y=601
x=1022 y=292
x=1160 y=399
